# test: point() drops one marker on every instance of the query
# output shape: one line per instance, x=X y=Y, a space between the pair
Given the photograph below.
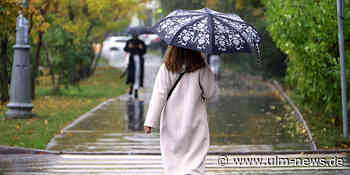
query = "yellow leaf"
x=333 y=121
x=44 y=27
x=278 y=118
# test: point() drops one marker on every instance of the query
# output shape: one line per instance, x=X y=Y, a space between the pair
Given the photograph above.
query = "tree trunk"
x=36 y=63
x=91 y=53
x=4 y=78
x=51 y=67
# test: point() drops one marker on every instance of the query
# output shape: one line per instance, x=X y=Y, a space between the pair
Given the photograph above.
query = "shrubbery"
x=306 y=30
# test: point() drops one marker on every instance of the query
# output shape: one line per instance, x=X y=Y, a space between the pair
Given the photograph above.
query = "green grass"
x=54 y=111
x=327 y=131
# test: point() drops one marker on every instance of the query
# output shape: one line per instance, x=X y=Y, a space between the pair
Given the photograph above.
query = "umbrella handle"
x=258 y=54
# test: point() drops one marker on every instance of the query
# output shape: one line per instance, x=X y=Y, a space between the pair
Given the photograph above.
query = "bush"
x=306 y=30
x=67 y=59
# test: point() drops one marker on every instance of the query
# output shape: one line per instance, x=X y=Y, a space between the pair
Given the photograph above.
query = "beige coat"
x=184 y=133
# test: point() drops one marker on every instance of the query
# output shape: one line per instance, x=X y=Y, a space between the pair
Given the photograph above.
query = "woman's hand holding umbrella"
x=147 y=129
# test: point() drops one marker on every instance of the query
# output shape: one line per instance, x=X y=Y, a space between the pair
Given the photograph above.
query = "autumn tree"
x=37 y=13
x=8 y=13
x=74 y=29
x=66 y=30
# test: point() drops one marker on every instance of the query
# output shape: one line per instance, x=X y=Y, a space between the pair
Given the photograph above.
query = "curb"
x=82 y=117
x=18 y=150
x=298 y=114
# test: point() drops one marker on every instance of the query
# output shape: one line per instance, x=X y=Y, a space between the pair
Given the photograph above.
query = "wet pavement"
x=241 y=119
x=110 y=138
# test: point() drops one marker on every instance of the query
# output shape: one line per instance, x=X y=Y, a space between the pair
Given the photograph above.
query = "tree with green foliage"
x=306 y=30
x=67 y=30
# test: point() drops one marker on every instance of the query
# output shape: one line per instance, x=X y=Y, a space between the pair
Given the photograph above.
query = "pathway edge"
x=79 y=119
x=297 y=113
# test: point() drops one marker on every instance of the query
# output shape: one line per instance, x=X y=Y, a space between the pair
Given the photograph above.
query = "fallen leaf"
x=333 y=121
x=30 y=131
x=278 y=118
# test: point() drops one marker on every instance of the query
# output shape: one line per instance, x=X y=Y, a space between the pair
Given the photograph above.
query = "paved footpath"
x=245 y=138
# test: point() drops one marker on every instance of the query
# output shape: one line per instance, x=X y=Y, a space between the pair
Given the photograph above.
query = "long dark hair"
x=176 y=57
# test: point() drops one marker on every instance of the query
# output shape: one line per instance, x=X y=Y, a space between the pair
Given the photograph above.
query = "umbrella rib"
x=179 y=31
x=236 y=31
x=218 y=17
x=178 y=16
x=211 y=31
x=169 y=18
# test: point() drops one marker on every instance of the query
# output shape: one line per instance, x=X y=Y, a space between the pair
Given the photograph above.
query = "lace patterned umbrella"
x=208 y=31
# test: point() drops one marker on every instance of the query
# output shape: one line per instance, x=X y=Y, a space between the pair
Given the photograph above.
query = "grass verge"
x=327 y=131
x=54 y=111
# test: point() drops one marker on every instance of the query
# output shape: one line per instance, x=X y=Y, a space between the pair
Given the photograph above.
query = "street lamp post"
x=20 y=105
x=340 y=9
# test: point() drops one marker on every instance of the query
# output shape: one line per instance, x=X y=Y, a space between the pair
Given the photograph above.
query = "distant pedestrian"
x=214 y=64
x=184 y=133
x=135 y=69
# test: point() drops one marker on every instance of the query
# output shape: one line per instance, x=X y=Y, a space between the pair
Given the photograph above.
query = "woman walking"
x=136 y=48
x=184 y=132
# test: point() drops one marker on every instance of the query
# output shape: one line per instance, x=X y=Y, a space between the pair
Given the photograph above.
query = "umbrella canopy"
x=208 y=31
x=139 y=30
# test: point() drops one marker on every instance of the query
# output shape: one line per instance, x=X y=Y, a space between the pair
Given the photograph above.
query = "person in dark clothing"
x=136 y=48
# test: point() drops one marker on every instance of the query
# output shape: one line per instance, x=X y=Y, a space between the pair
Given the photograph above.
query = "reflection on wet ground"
x=243 y=118
x=134 y=118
